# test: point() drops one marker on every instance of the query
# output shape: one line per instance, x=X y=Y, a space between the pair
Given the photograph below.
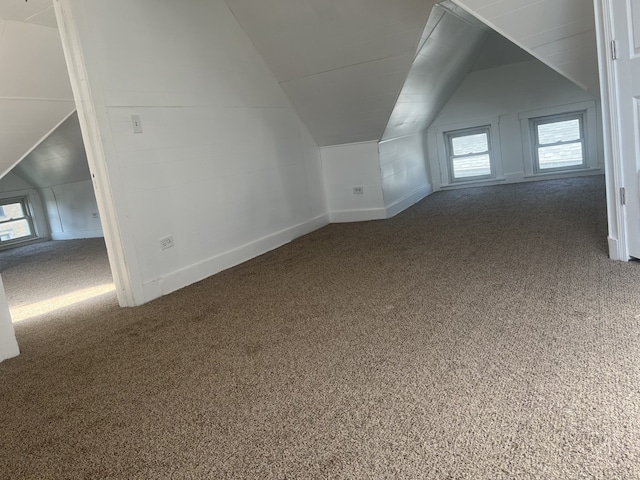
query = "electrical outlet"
x=166 y=242
x=358 y=190
x=136 y=123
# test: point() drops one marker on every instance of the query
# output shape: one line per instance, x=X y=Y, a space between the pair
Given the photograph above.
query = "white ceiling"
x=499 y=51
x=560 y=33
x=38 y=12
x=449 y=46
x=341 y=62
x=60 y=159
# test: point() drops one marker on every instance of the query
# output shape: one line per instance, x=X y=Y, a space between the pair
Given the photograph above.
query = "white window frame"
x=534 y=123
x=451 y=157
x=28 y=216
x=589 y=132
x=446 y=173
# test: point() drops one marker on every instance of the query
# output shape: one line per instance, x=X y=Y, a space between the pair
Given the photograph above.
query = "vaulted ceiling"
x=448 y=48
x=359 y=70
x=37 y=12
x=58 y=160
x=355 y=70
x=560 y=33
x=341 y=62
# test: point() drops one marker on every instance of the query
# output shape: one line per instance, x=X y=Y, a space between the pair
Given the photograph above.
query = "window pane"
x=15 y=229
x=470 y=144
x=12 y=210
x=559 y=132
x=471 y=166
x=559 y=156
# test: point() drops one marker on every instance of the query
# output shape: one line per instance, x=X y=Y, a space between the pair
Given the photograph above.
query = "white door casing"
x=626 y=64
x=617 y=33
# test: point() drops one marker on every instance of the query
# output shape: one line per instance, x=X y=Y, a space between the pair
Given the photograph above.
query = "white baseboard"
x=346 y=216
x=614 y=249
x=201 y=270
x=408 y=200
x=77 y=235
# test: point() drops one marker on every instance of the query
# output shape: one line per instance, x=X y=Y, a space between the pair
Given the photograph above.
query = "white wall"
x=349 y=166
x=501 y=96
x=404 y=170
x=224 y=164
x=8 y=345
x=72 y=211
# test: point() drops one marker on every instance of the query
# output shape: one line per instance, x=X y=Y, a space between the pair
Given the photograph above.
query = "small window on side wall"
x=16 y=224
x=558 y=142
x=469 y=153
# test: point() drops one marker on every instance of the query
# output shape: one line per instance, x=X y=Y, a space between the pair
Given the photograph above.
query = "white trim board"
x=408 y=200
x=611 y=136
x=77 y=235
x=121 y=260
x=364 y=215
x=206 y=268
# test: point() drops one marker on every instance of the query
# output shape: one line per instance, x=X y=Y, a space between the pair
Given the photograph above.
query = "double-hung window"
x=16 y=224
x=469 y=153
x=558 y=142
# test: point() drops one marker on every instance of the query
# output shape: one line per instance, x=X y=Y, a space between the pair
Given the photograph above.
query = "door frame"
x=618 y=249
x=126 y=287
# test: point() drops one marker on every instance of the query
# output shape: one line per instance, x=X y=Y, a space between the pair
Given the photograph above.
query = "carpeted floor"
x=42 y=277
x=481 y=334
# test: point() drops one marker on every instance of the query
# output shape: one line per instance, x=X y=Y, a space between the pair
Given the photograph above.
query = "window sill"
x=563 y=172
x=472 y=182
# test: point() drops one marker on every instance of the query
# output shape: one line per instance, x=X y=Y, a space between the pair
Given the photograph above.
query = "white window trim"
x=537 y=121
x=446 y=177
x=28 y=216
x=449 y=136
x=590 y=132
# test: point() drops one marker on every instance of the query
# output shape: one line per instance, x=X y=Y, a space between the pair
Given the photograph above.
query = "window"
x=469 y=153
x=558 y=142
x=16 y=224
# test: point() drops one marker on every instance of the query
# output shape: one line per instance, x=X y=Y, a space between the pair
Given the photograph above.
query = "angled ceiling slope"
x=560 y=33
x=342 y=63
x=448 y=49
x=59 y=160
x=35 y=92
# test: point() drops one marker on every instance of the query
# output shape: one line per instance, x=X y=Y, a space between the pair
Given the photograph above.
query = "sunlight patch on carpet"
x=24 y=312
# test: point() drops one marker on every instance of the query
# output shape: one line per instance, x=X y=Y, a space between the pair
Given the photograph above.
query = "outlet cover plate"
x=166 y=242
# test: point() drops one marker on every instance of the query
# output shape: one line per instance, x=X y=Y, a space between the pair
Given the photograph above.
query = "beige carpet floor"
x=481 y=334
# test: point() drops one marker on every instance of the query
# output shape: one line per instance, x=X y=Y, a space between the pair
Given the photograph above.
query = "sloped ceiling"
x=499 y=51
x=59 y=160
x=38 y=12
x=341 y=62
x=35 y=92
x=560 y=33
x=450 y=43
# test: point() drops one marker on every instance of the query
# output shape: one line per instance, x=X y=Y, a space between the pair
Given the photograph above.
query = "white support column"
x=8 y=344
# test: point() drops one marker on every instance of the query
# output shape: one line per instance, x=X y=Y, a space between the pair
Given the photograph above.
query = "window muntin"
x=559 y=142
x=16 y=224
x=469 y=153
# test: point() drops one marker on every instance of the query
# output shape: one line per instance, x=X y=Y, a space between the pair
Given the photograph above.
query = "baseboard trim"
x=408 y=200
x=614 y=249
x=77 y=235
x=365 y=215
x=206 y=268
